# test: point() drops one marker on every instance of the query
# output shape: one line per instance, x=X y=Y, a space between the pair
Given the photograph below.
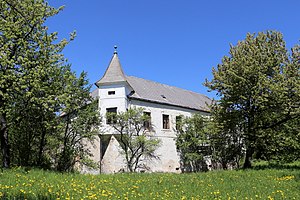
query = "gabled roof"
x=114 y=72
x=164 y=94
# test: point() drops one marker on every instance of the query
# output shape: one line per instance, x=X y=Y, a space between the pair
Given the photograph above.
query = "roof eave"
x=99 y=83
x=169 y=104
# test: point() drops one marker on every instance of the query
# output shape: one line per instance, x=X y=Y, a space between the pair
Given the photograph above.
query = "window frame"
x=165 y=121
x=111 y=92
x=147 y=123
x=112 y=119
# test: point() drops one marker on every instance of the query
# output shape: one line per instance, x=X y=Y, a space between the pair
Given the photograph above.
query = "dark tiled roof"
x=165 y=94
x=114 y=72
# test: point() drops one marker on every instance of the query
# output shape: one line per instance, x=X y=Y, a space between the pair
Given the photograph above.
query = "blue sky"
x=174 y=42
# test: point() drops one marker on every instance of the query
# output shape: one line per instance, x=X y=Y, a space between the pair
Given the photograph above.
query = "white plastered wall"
x=169 y=158
x=113 y=160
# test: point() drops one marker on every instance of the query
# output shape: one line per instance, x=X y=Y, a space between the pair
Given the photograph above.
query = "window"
x=147 y=121
x=111 y=115
x=111 y=92
x=166 y=123
x=178 y=123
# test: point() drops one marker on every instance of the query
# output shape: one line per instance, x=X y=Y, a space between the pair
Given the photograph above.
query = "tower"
x=113 y=88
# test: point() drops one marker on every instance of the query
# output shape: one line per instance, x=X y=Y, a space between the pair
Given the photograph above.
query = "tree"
x=36 y=85
x=281 y=144
x=136 y=140
x=33 y=116
x=258 y=85
x=193 y=143
x=226 y=140
x=79 y=124
x=27 y=53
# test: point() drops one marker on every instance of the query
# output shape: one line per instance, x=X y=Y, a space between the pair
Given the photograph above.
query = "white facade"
x=114 y=91
x=169 y=158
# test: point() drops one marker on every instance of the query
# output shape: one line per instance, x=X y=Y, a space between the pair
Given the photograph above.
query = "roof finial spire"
x=115 y=51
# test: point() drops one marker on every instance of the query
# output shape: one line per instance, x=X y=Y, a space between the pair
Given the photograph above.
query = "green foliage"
x=226 y=141
x=79 y=129
x=36 y=85
x=193 y=143
x=283 y=143
x=258 y=84
x=137 y=144
x=266 y=183
x=29 y=61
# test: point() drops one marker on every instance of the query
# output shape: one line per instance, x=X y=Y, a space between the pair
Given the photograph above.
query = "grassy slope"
x=283 y=183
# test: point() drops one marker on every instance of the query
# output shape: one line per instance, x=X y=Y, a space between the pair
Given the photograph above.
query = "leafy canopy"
x=258 y=85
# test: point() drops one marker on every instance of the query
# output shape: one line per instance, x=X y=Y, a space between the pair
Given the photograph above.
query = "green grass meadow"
x=261 y=183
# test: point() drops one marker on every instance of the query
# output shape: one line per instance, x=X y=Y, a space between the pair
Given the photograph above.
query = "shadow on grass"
x=21 y=196
x=277 y=166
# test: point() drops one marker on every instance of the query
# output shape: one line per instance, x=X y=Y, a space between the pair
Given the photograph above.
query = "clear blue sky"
x=175 y=42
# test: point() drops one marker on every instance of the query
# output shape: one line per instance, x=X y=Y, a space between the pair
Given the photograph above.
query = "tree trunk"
x=224 y=165
x=41 y=148
x=247 y=163
x=63 y=161
x=42 y=143
x=250 y=138
x=4 y=142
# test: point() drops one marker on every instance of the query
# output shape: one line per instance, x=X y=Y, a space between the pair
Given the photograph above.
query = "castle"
x=118 y=92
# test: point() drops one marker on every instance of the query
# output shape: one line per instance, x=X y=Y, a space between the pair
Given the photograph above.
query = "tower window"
x=111 y=92
x=111 y=115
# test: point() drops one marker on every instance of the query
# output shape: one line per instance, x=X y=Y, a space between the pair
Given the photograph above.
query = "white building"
x=118 y=92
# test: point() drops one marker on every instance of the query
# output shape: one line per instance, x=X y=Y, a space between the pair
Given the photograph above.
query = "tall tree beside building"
x=27 y=56
x=79 y=125
x=34 y=82
x=226 y=139
x=258 y=85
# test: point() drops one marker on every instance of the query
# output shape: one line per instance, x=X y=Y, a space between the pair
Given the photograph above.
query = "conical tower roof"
x=114 y=72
